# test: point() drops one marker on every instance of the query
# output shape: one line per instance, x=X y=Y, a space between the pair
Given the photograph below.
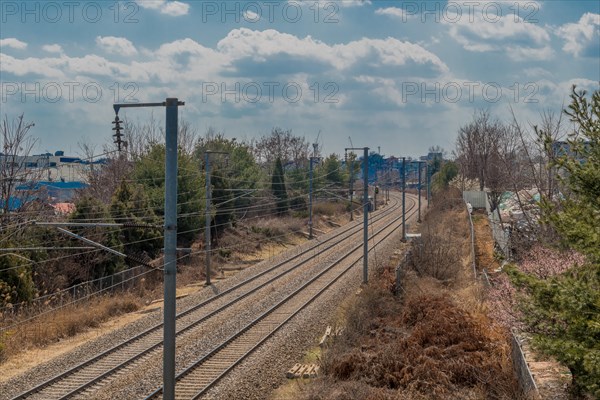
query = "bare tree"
x=103 y=182
x=283 y=145
x=141 y=137
x=539 y=152
x=14 y=168
x=477 y=144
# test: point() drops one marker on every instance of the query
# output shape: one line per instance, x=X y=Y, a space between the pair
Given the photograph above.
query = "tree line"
x=263 y=177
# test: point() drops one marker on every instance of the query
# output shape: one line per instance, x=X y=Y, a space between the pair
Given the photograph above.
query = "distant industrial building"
x=51 y=167
x=48 y=178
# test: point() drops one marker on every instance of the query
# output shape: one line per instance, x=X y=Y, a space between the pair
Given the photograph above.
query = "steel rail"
x=257 y=320
x=149 y=331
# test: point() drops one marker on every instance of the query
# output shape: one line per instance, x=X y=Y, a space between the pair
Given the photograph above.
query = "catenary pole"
x=419 y=186
x=207 y=216
x=310 y=200
x=170 y=272
x=428 y=183
x=366 y=217
x=365 y=211
x=403 y=198
x=170 y=238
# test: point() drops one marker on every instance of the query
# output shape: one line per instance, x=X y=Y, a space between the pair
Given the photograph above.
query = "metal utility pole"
x=170 y=241
x=419 y=186
x=310 y=200
x=427 y=182
x=366 y=218
x=365 y=212
x=403 y=199
x=208 y=216
x=351 y=184
x=389 y=182
x=375 y=190
x=170 y=273
x=310 y=192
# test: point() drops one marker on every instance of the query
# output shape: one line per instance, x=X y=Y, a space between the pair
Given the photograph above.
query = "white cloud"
x=116 y=45
x=354 y=3
x=52 y=48
x=392 y=12
x=260 y=45
x=484 y=34
x=518 y=53
x=175 y=8
x=14 y=43
x=46 y=67
x=537 y=73
x=172 y=8
x=151 y=4
x=496 y=29
x=582 y=34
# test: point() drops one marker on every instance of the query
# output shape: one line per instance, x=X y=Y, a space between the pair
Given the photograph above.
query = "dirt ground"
x=484 y=243
x=551 y=378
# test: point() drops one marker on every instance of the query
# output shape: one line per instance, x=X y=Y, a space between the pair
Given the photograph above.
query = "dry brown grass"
x=435 y=341
x=330 y=208
x=425 y=347
x=66 y=322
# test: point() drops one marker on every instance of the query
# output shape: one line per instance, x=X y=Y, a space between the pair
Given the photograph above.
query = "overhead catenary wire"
x=127 y=213
x=219 y=210
x=150 y=239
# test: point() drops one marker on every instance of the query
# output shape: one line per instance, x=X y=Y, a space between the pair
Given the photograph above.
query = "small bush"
x=329 y=208
x=428 y=347
x=298 y=202
x=225 y=253
x=435 y=254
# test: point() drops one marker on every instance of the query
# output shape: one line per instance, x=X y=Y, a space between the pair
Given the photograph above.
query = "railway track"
x=195 y=380
x=104 y=367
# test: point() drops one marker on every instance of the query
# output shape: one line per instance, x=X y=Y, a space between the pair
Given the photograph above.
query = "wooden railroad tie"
x=329 y=333
x=323 y=340
x=303 y=371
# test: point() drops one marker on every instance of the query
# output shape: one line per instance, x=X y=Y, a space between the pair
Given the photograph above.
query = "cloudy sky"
x=402 y=75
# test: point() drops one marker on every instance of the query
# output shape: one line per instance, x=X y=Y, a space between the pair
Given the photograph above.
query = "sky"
x=396 y=75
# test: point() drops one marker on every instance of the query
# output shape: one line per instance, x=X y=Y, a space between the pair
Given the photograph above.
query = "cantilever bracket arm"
x=117 y=107
x=107 y=249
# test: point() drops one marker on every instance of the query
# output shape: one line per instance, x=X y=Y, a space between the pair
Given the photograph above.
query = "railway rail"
x=101 y=368
x=195 y=380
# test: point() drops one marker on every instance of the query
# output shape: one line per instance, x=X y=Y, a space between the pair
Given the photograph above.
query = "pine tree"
x=98 y=263
x=563 y=312
x=130 y=204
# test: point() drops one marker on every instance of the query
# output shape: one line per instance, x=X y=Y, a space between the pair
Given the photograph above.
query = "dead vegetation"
x=255 y=240
x=425 y=347
x=66 y=322
x=434 y=341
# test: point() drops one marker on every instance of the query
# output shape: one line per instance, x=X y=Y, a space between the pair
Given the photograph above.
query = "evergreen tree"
x=149 y=171
x=130 y=204
x=333 y=172
x=16 y=281
x=98 y=263
x=239 y=172
x=563 y=312
x=278 y=188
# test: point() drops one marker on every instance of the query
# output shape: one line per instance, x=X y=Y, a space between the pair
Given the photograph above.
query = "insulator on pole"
x=117 y=128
